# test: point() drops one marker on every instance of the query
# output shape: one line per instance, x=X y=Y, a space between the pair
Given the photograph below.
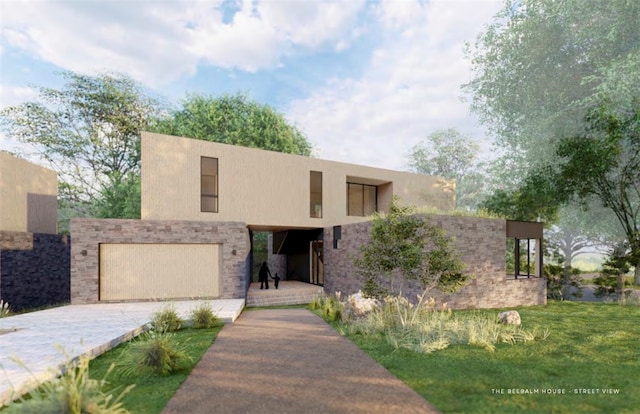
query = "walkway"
x=43 y=340
x=290 y=361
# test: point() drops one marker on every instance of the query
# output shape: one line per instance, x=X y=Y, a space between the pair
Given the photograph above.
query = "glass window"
x=315 y=194
x=209 y=185
x=362 y=200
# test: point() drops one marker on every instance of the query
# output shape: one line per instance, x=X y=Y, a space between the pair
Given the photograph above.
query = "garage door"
x=159 y=271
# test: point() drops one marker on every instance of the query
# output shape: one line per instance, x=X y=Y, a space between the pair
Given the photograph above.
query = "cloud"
x=159 y=42
x=410 y=89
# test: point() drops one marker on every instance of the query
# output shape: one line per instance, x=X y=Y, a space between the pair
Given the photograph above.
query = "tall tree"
x=605 y=162
x=89 y=131
x=236 y=120
x=542 y=64
x=449 y=154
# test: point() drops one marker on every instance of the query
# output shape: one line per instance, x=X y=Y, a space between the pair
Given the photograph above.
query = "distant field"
x=589 y=262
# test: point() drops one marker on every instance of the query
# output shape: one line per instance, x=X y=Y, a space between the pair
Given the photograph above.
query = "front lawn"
x=590 y=363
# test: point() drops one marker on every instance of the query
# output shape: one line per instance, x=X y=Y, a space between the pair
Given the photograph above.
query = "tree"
x=605 y=162
x=89 y=132
x=235 y=120
x=542 y=64
x=449 y=154
x=405 y=243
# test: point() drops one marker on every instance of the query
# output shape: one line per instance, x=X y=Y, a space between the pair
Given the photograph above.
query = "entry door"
x=317 y=265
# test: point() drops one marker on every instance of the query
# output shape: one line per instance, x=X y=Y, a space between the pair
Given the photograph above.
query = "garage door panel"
x=159 y=271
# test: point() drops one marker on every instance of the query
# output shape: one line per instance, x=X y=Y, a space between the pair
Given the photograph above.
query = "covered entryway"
x=304 y=257
x=158 y=271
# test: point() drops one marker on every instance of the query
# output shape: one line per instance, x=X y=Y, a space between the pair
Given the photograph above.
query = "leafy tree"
x=89 y=131
x=543 y=63
x=449 y=154
x=605 y=162
x=236 y=120
x=405 y=243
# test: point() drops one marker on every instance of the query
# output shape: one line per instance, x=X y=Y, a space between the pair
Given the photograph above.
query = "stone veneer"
x=482 y=244
x=87 y=234
x=34 y=269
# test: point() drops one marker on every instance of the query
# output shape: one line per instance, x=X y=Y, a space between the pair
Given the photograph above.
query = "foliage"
x=585 y=350
x=612 y=278
x=74 y=392
x=156 y=353
x=421 y=327
x=5 y=309
x=202 y=316
x=89 y=131
x=408 y=244
x=166 y=320
x=330 y=307
x=605 y=162
x=557 y=282
x=235 y=120
x=542 y=62
x=449 y=154
x=152 y=392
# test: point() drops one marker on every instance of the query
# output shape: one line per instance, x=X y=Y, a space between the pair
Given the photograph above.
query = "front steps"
x=289 y=292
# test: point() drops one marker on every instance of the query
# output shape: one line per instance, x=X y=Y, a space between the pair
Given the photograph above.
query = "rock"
x=360 y=304
x=510 y=317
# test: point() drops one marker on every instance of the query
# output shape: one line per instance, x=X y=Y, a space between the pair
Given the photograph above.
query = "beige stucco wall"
x=28 y=196
x=264 y=188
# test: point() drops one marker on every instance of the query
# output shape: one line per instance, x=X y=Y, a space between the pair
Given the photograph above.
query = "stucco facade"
x=266 y=189
x=28 y=196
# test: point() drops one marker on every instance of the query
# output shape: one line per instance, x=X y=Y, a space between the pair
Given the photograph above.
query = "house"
x=34 y=259
x=201 y=202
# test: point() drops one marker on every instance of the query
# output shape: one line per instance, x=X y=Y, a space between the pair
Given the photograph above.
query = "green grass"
x=153 y=392
x=591 y=346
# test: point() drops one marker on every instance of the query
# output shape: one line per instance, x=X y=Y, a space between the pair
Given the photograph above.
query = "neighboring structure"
x=28 y=196
x=201 y=202
x=34 y=260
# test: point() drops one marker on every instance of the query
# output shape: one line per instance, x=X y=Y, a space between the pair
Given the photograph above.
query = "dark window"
x=362 y=199
x=337 y=235
x=209 y=185
x=315 y=194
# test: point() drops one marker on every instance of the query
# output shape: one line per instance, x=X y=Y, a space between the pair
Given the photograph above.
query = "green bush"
x=424 y=328
x=154 y=353
x=166 y=320
x=203 y=317
x=555 y=283
x=74 y=392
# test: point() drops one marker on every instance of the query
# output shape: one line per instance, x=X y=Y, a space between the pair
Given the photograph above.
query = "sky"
x=364 y=80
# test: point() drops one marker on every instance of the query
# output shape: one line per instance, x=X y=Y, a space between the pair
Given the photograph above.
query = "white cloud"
x=158 y=42
x=410 y=89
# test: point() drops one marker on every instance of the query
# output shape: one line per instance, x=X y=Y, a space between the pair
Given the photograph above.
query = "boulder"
x=510 y=317
x=360 y=304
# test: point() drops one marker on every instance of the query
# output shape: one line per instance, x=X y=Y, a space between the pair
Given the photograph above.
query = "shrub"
x=555 y=283
x=166 y=320
x=203 y=317
x=424 y=328
x=154 y=353
x=74 y=392
x=5 y=309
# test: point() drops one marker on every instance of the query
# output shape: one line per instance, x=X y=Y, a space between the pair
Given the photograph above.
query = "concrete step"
x=288 y=293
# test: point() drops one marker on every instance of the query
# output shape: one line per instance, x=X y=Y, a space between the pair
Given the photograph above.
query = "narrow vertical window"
x=315 y=194
x=209 y=185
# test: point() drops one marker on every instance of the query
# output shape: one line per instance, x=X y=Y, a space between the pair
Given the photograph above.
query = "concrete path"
x=33 y=345
x=290 y=361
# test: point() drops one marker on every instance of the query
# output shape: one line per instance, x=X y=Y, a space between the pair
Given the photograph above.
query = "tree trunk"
x=636 y=276
x=620 y=288
x=566 y=275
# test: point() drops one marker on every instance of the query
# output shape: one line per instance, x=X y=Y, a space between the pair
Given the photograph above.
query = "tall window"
x=362 y=199
x=315 y=194
x=209 y=185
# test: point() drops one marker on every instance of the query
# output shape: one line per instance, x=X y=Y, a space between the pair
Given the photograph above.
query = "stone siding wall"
x=34 y=269
x=87 y=234
x=482 y=244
